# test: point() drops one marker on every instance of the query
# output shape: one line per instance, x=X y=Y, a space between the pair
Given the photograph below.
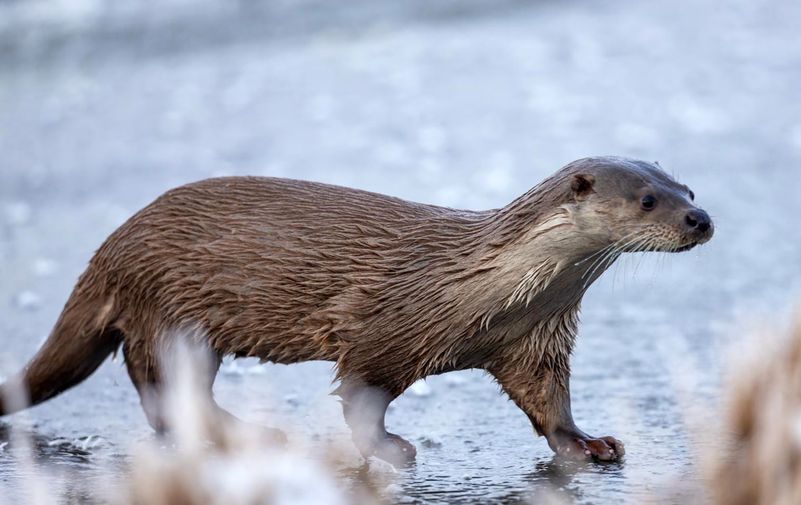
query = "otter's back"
x=254 y=260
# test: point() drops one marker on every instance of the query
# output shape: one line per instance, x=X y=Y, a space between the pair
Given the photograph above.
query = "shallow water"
x=465 y=108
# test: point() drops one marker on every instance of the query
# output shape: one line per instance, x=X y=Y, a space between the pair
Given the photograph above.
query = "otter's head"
x=634 y=206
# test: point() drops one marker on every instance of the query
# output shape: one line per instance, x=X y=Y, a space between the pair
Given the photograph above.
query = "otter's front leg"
x=365 y=407
x=544 y=395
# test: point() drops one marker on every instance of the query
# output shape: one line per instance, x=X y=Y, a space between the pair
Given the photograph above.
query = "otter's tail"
x=79 y=343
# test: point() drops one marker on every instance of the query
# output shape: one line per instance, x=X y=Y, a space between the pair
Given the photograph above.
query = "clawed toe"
x=605 y=449
x=395 y=450
x=602 y=449
x=616 y=445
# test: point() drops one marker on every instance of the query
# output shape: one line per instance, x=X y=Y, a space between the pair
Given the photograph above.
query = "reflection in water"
x=552 y=478
x=51 y=450
x=561 y=475
x=81 y=470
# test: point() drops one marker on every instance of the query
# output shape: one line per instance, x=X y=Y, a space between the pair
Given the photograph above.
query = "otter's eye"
x=692 y=196
x=648 y=202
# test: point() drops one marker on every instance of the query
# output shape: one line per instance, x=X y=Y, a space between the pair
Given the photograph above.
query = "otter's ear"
x=583 y=186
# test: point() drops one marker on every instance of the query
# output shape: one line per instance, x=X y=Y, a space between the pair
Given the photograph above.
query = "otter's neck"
x=530 y=272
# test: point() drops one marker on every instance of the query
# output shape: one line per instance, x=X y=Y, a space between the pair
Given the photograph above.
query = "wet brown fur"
x=392 y=291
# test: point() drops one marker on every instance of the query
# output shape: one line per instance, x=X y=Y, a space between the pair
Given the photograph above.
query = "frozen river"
x=469 y=106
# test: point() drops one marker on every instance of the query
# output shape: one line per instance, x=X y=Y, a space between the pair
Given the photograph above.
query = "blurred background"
x=462 y=103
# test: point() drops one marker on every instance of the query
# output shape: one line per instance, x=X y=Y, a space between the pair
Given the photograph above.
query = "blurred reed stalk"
x=761 y=464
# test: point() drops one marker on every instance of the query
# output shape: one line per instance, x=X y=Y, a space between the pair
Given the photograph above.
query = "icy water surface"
x=460 y=106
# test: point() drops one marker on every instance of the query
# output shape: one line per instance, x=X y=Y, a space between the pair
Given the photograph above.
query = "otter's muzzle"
x=699 y=225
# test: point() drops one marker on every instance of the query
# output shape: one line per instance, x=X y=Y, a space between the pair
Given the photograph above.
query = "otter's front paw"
x=582 y=447
x=395 y=450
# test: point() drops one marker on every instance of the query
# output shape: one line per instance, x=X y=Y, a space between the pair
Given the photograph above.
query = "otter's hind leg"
x=365 y=408
x=148 y=380
x=227 y=421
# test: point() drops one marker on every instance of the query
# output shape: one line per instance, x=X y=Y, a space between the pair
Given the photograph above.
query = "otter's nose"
x=698 y=220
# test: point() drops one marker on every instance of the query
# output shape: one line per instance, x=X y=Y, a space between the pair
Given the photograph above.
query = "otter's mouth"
x=686 y=247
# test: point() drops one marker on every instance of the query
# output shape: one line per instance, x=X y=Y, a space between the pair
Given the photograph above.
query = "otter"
x=389 y=290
